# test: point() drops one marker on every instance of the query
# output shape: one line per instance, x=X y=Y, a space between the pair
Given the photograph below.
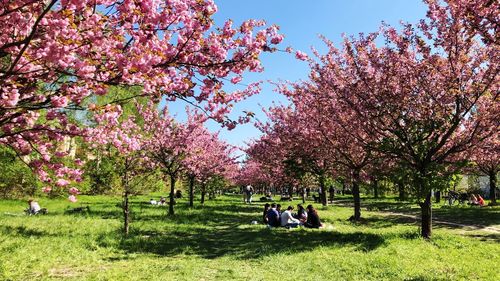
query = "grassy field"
x=218 y=242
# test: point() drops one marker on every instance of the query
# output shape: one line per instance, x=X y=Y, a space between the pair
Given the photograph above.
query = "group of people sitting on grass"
x=160 y=202
x=274 y=217
x=476 y=200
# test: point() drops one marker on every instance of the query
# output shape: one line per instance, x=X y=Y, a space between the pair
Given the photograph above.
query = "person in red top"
x=480 y=200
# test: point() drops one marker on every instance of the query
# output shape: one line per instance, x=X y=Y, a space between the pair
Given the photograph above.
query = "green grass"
x=217 y=242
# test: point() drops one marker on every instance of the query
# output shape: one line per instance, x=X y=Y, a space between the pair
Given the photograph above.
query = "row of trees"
x=59 y=56
x=421 y=106
x=61 y=60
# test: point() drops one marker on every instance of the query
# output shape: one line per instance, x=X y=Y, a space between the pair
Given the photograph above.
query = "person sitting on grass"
x=287 y=220
x=153 y=202
x=278 y=208
x=34 y=208
x=264 y=214
x=273 y=217
x=480 y=200
x=163 y=201
x=473 y=200
x=301 y=214
x=313 y=220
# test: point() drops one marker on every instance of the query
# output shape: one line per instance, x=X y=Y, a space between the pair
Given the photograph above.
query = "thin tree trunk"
x=357 y=199
x=437 y=194
x=203 y=192
x=126 y=208
x=323 y=191
x=191 y=191
x=343 y=188
x=401 y=189
x=493 y=187
x=426 y=208
x=172 y=196
x=303 y=195
x=126 y=213
x=375 y=188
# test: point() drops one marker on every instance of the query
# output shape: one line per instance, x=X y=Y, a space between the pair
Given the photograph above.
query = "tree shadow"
x=475 y=216
x=249 y=243
x=486 y=237
x=387 y=221
x=22 y=231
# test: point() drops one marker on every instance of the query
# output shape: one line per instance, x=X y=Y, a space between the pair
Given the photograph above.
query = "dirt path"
x=434 y=221
x=490 y=229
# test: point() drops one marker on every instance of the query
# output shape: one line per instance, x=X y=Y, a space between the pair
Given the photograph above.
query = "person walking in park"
x=248 y=194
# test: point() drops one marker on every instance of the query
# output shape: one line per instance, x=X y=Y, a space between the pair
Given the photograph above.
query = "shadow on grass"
x=470 y=215
x=251 y=243
x=387 y=221
x=22 y=231
x=486 y=237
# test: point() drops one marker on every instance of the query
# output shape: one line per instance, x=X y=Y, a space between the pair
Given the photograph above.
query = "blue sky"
x=301 y=22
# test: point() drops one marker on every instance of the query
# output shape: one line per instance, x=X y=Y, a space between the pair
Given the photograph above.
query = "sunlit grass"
x=218 y=242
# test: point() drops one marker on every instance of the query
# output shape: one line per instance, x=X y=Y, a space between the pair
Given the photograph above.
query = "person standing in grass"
x=249 y=193
x=273 y=216
x=313 y=220
x=287 y=220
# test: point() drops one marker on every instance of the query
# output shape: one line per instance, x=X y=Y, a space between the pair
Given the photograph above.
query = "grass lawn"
x=217 y=242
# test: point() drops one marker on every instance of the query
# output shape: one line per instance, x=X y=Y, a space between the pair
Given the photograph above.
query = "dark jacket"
x=313 y=220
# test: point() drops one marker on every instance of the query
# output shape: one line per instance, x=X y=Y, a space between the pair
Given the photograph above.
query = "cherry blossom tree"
x=56 y=55
x=208 y=157
x=486 y=158
x=426 y=96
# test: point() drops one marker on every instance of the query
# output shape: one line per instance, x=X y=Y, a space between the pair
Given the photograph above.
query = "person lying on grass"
x=287 y=220
x=313 y=220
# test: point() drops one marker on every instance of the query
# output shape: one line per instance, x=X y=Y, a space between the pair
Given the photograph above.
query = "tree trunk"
x=426 y=208
x=375 y=188
x=191 y=191
x=303 y=195
x=493 y=187
x=323 y=191
x=172 y=195
x=203 y=192
x=343 y=188
x=437 y=194
x=357 y=199
x=125 y=206
x=126 y=213
x=401 y=189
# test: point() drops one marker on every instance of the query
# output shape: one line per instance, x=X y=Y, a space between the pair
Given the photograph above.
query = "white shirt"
x=35 y=207
x=286 y=218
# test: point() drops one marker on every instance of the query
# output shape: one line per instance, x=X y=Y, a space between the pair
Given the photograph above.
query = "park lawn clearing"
x=217 y=242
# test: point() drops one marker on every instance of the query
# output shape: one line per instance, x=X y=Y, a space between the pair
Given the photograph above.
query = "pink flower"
x=62 y=182
x=72 y=198
x=301 y=55
x=236 y=79
x=74 y=191
x=46 y=189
